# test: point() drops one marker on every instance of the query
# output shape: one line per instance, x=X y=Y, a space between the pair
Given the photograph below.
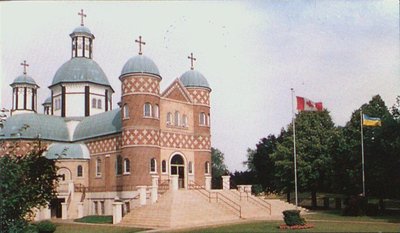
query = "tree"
x=260 y=163
x=26 y=182
x=314 y=139
x=381 y=150
x=218 y=168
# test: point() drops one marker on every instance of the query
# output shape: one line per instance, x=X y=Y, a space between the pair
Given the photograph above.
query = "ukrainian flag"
x=371 y=121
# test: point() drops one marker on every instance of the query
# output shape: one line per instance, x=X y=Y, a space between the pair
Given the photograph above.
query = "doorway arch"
x=177 y=167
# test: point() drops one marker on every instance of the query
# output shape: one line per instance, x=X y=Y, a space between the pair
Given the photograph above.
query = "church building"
x=152 y=138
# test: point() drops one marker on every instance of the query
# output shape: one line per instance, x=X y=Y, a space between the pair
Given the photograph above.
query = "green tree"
x=260 y=163
x=26 y=182
x=315 y=134
x=218 y=168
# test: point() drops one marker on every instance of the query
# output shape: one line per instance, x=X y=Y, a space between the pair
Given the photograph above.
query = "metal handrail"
x=262 y=203
x=201 y=190
x=232 y=204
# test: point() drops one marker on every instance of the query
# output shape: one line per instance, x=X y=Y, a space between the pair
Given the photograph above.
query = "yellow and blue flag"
x=371 y=121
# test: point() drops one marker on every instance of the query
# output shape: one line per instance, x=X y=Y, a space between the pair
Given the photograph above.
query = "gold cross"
x=140 y=42
x=25 y=65
x=82 y=15
x=191 y=60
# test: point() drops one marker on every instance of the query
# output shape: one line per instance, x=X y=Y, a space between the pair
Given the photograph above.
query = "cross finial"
x=82 y=15
x=191 y=60
x=140 y=42
x=25 y=65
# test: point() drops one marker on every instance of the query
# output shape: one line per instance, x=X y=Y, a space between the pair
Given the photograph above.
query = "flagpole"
x=294 y=149
x=362 y=151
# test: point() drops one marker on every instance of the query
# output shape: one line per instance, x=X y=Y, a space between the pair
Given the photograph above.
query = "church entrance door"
x=178 y=168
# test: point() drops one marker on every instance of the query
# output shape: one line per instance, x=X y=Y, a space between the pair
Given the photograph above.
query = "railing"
x=163 y=186
x=236 y=207
x=201 y=190
x=261 y=203
x=69 y=200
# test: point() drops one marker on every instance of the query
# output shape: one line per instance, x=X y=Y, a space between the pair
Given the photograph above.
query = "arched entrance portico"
x=177 y=167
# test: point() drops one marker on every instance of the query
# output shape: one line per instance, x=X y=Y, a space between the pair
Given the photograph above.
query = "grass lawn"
x=88 y=228
x=96 y=219
x=263 y=226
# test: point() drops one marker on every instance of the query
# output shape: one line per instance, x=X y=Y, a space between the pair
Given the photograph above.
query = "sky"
x=339 y=52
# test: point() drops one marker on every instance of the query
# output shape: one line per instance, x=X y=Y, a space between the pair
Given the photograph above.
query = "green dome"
x=193 y=78
x=67 y=151
x=140 y=64
x=40 y=126
x=99 y=125
x=80 y=69
x=24 y=79
x=82 y=30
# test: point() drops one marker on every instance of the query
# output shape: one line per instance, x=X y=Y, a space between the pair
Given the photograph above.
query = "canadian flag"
x=304 y=104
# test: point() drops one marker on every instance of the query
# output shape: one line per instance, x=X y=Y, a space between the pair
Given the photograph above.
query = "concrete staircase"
x=179 y=209
x=196 y=207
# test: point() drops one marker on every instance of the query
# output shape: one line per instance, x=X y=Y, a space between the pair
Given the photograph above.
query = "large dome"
x=24 y=79
x=140 y=64
x=80 y=69
x=193 y=78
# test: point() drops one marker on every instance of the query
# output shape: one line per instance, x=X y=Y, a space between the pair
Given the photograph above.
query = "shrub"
x=292 y=218
x=256 y=189
x=31 y=229
x=372 y=209
x=46 y=227
x=355 y=206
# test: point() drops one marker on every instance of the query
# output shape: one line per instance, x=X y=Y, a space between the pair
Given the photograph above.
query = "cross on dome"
x=25 y=65
x=191 y=60
x=82 y=15
x=140 y=42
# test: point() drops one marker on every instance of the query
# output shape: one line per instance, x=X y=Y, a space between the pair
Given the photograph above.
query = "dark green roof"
x=99 y=125
x=194 y=78
x=67 y=151
x=80 y=69
x=37 y=125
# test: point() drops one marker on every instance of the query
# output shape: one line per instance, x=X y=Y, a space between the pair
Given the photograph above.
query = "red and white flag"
x=304 y=104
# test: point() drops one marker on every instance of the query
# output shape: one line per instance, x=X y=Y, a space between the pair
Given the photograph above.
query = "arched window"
x=207 y=167
x=153 y=165
x=127 y=166
x=177 y=118
x=190 y=167
x=164 y=166
x=98 y=167
x=118 y=165
x=94 y=103
x=99 y=105
x=184 y=121
x=79 y=171
x=208 y=120
x=202 y=118
x=169 y=118
x=156 y=112
x=126 y=111
x=147 y=110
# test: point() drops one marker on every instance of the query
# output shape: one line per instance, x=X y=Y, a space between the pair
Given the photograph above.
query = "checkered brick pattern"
x=104 y=145
x=184 y=141
x=146 y=85
x=140 y=137
x=19 y=148
x=200 y=96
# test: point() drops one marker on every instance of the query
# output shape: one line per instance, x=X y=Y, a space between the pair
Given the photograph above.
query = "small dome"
x=101 y=124
x=67 y=151
x=80 y=69
x=140 y=64
x=82 y=30
x=47 y=101
x=37 y=125
x=193 y=78
x=24 y=79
